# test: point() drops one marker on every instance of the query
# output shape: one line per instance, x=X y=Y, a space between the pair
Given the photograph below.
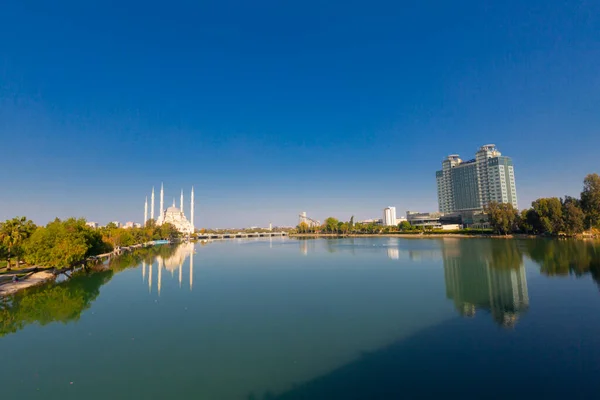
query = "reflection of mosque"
x=488 y=275
x=173 y=263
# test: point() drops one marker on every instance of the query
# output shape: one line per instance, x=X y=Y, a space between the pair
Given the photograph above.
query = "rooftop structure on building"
x=473 y=184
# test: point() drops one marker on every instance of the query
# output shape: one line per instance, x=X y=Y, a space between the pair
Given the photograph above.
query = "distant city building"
x=117 y=224
x=400 y=219
x=92 y=224
x=129 y=225
x=429 y=220
x=308 y=221
x=389 y=216
x=376 y=221
x=473 y=184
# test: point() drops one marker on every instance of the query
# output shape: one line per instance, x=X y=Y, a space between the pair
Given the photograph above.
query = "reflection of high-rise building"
x=393 y=253
x=486 y=275
x=304 y=247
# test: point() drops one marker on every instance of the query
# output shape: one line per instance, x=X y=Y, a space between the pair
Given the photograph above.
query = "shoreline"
x=9 y=288
x=35 y=279
x=413 y=235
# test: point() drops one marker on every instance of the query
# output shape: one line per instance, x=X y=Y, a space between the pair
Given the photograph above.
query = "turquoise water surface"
x=367 y=318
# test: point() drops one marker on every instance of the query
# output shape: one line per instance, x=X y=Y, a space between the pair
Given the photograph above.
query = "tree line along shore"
x=551 y=216
x=65 y=243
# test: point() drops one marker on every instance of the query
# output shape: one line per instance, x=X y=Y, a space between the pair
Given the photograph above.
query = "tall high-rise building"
x=389 y=216
x=473 y=184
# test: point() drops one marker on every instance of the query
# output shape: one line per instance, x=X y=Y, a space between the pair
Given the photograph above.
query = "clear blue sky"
x=270 y=108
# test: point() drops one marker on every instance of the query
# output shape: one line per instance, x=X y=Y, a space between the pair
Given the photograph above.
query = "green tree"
x=302 y=227
x=590 y=200
x=63 y=243
x=524 y=223
x=331 y=225
x=344 y=227
x=547 y=217
x=503 y=217
x=573 y=218
x=405 y=226
x=167 y=231
x=3 y=251
x=13 y=233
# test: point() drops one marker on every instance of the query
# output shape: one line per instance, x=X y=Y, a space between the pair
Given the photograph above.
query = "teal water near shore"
x=352 y=318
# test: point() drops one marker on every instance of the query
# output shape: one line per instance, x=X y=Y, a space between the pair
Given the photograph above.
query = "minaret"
x=181 y=202
x=152 y=204
x=192 y=210
x=145 y=212
x=162 y=204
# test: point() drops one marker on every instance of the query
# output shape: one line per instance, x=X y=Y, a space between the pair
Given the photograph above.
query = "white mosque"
x=172 y=215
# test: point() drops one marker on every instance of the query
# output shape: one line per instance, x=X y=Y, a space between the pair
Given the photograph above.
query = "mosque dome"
x=172 y=210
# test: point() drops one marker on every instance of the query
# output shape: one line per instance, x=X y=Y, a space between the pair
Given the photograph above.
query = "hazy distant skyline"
x=272 y=108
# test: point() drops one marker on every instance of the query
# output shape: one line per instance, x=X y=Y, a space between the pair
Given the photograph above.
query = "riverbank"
x=35 y=275
x=36 y=278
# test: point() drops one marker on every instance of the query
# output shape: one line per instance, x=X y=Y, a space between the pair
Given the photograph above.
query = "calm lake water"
x=368 y=318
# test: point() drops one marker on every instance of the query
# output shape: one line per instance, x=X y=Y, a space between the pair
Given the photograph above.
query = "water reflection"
x=566 y=257
x=486 y=274
x=172 y=262
x=480 y=274
x=393 y=253
x=65 y=301
x=62 y=302
x=308 y=245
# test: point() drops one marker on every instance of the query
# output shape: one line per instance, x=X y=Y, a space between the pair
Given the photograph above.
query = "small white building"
x=92 y=224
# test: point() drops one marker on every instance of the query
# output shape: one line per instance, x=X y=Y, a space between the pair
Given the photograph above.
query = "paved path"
x=35 y=279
